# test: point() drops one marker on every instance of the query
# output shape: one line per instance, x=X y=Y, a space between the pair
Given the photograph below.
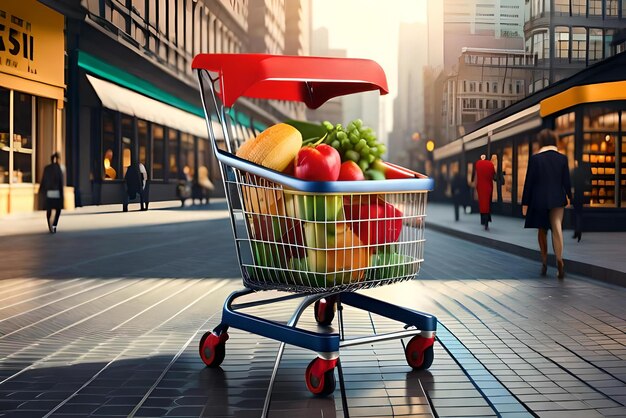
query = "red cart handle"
x=311 y=80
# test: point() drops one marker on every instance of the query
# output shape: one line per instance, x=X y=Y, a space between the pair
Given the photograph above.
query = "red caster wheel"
x=213 y=348
x=320 y=376
x=419 y=352
x=325 y=310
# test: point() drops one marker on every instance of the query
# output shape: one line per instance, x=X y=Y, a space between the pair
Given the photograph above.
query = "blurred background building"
x=110 y=81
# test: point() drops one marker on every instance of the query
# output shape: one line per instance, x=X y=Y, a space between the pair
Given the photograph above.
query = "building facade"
x=118 y=87
x=32 y=91
x=484 y=81
x=495 y=24
x=565 y=36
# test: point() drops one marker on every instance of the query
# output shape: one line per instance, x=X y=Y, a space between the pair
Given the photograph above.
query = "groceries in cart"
x=324 y=240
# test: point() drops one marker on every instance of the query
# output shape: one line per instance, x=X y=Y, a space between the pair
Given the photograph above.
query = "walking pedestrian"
x=547 y=189
x=485 y=172
x=582 y=184
x=51 y=189
x=135 y=181
x=460 y=193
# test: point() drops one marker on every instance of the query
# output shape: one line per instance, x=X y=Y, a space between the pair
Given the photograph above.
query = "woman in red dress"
x=485 y=173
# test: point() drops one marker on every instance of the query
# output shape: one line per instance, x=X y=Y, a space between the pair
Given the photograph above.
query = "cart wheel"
x=320 y=376
x=213 y=348
x=325 y=311
x=419 y=352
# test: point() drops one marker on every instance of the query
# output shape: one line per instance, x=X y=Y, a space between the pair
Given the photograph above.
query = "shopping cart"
x=318 y=240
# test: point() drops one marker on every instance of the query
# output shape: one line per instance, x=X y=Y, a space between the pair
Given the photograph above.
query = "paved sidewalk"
x=600 y=255
x=104 y=318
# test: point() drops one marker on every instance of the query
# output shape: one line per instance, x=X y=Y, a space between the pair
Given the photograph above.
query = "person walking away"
x=582 y=184
x=135 y=184
x=51 y=188
x=485 y=172
x=460 y=193
x=546 y=191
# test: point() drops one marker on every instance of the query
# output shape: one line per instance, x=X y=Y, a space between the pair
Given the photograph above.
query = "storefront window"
x=173 y=152
x=564 y=127
x=143 y=140
x=608 y=39
x=158 y=152
x=22 y=137
x=187 y=154
x=128 y=140
x=622 y=186
x=110 y=159
x=506 y=175
x=522 y=167
x=599 y=149
x=5 y=143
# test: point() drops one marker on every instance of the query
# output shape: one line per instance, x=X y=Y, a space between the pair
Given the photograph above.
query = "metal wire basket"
x=312 y=237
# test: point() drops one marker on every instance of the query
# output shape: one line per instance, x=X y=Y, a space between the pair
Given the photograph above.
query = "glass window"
x=22 y=137
x=162 y=16
x=522 y=167
x=579 y=44
x=595 y=7
x=612 y=8
x=622 y=187
x=5 y=142
x=158 y=152
x=599 y=150
x=561 y=42
x=561 y=7
x=144 y=143
x=187 y=154
x=595 y=44
x=507 y=173
x=128 y=141
x=579 y=7
x=608 y=38
x=173 y=149
x=110 y=159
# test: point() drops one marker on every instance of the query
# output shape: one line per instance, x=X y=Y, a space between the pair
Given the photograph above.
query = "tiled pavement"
x=106 y=321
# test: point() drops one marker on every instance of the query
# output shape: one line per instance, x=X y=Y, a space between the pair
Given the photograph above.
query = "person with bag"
x=51 y=189
x=485 y=172
x=547 y=189
x=135 y=183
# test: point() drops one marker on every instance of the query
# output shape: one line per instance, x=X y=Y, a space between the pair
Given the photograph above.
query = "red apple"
x=350 y=170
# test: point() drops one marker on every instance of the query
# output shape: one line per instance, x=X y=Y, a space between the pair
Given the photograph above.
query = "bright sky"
x=369 y=29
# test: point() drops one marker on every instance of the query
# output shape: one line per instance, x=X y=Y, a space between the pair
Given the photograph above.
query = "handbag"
x=53 y=194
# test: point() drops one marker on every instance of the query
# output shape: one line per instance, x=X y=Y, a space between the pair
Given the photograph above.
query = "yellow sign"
x=32 y=43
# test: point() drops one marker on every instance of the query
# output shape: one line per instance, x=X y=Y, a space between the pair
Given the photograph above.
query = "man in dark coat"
x=135 y=184
x=546 y=190
x=460 y=193
x=485 y=171
x=51 y=189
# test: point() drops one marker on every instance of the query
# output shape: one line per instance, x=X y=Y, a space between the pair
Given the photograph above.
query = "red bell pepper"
x=375 y=223
x=319 y=163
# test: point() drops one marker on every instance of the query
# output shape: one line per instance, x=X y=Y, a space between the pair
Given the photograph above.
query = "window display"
x=158 y=152
x=522 y=167
x=599 y=149
x=506 y=174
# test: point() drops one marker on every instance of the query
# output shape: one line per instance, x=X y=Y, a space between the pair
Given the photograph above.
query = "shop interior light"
x=607 y=138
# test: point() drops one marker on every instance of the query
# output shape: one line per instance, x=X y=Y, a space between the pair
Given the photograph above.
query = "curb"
x=594 y=272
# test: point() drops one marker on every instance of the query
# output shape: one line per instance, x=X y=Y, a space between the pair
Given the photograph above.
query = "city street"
x=104 y=319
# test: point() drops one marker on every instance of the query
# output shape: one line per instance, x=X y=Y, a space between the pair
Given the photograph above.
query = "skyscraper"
x=495 y=24
x=565 y=36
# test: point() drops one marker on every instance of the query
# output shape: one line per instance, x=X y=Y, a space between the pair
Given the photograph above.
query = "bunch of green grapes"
x=355 y=142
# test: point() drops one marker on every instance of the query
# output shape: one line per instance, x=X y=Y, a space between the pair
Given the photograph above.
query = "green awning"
x=110 y=72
